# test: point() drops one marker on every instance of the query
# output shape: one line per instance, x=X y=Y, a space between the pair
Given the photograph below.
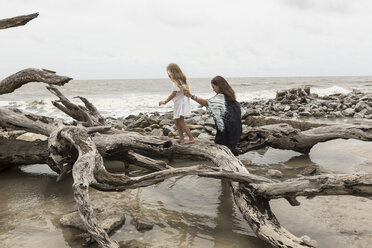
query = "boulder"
x=195 y=133
x=108 y=219
x=274 y=173
x=349 y=112
x=157 y=132
x=141 y=224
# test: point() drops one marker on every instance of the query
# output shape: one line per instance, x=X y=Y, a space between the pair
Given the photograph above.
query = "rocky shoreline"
x=292 y=106
x=355 y=105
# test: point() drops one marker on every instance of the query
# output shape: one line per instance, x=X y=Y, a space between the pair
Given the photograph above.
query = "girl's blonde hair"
x=177 y=76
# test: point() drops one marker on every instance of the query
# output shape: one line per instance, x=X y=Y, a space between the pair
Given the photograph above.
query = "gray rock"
x=287 y=108
x=141 y=224
x=148 y=129
x=274 y=173
x=172 y=134
x=155 y=125
x=359 y=115
x=167 y=129
x=209 y=121
x=205 y=136
x=196 y=120
x=108 y=219
x=338 y=114
x=317 y=113
x=251 y=112
x=309 y=171
x=195 y=133
x=289 y=114
x=168 y=115
x=332 y=105
x=209 y=129
x=301 y=108
x=157 y=132
x=359 y=107
x=305 y=114
x=294 y=107
x=200 y=111
x=138 y=129
x=349 y=112
x=166 y=122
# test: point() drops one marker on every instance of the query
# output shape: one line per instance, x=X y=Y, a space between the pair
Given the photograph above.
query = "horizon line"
x=228 y=77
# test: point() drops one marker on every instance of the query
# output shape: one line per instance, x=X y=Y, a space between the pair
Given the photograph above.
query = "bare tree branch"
x=17 y=21
x=88 y=115
x=20 y=78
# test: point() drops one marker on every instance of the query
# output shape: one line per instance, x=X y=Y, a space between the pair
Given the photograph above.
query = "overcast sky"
x=234 y=38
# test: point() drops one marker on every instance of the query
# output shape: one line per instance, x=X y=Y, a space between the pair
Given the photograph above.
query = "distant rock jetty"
x=290 y=104
x=301 y=103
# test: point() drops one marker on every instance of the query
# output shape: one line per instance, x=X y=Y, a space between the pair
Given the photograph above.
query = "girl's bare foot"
x=179 y=140
x=189 y=141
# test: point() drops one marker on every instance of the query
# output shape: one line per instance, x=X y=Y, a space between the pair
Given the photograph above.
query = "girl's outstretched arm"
x=170 y=97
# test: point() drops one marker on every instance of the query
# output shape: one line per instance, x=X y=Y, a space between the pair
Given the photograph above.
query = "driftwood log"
x=76 y=147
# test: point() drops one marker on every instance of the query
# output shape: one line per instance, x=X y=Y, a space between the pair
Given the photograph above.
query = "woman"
x=226 y=112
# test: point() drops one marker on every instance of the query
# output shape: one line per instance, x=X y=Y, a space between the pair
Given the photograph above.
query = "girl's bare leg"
x=184 y=127
x=179 y=129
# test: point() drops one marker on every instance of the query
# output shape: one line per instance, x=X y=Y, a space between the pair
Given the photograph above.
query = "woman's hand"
x=162 y=103
x=187 y=92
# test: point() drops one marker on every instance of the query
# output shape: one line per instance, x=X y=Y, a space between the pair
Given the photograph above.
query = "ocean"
x=122 y=97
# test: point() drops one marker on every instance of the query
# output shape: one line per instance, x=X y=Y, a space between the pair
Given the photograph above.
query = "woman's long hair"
x=177 y=76
x=224 y=87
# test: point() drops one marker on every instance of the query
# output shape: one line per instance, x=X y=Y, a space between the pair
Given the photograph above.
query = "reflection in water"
x=230 y=230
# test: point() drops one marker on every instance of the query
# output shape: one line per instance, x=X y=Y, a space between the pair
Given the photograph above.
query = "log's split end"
x=17 y=21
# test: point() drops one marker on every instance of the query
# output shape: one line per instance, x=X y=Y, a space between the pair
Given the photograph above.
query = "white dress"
x=181 y=103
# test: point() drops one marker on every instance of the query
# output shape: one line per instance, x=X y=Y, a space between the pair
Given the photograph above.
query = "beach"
x=184 y=215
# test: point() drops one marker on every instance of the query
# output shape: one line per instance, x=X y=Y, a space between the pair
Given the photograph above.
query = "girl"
x=181 y=106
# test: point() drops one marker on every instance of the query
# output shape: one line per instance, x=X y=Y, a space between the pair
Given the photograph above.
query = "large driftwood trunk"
x=284 y=136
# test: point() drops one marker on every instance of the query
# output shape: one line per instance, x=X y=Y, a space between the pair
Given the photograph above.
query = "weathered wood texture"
x=329 y=184
x=88 y=115
x=87 y=162
x=284 y=136
x=255 y=210
x=19 y=152
x=17 y=21
x=25 y=76
x=256 y=121
x=17 y=119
